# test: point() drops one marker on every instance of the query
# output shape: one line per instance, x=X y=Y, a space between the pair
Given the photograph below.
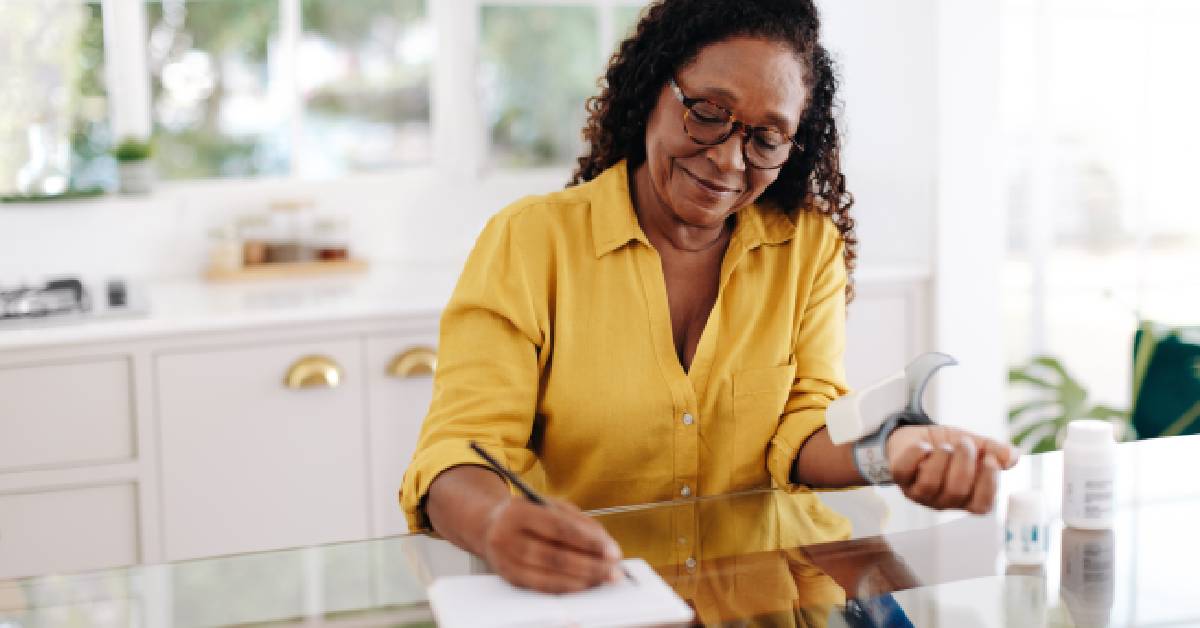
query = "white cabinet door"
x=250 y=464
x=68 y=530
x=400 y=385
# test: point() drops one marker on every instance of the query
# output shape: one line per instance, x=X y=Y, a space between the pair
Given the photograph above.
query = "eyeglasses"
x=710 y=124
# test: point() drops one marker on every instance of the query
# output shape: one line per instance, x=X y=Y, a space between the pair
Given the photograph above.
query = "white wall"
x=887 y=52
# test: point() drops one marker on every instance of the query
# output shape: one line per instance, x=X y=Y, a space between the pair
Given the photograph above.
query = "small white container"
x=1026 y=536
x=1089 y=475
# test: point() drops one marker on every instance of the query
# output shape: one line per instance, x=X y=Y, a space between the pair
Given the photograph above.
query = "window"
x=538 y=65
x=238 y=92
x=53 y=106
x=219 y=102
x=365 y=85
x=1104 y=225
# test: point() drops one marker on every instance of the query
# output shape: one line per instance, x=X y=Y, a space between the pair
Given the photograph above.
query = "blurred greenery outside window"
x=216 y=110
x=538 y=66
x=54 y=131
x=223 y=104
x=365 y=85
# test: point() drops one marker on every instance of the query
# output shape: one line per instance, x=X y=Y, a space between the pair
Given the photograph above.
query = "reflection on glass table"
x=846 y=558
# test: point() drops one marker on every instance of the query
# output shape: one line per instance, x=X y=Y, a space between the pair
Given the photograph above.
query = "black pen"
x=521 y=486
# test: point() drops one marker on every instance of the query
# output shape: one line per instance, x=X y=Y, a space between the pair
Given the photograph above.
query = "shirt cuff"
x=793 y=432
x=425 y=468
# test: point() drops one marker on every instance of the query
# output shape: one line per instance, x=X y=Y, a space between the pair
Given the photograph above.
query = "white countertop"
x=191 y=306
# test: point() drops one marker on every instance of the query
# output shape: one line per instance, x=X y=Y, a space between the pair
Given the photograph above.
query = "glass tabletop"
x=862 y=557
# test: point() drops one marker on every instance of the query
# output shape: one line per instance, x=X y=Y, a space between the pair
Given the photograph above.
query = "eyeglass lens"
x=708 y=124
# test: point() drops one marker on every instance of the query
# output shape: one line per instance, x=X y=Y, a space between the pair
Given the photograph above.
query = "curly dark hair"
x=669 y=36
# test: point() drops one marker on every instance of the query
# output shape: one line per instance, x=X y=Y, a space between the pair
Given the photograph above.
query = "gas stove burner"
x=57 y=297
x=66 y=301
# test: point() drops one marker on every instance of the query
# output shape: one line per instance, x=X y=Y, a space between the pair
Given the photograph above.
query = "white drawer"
x=65 y=414
x=68 y=530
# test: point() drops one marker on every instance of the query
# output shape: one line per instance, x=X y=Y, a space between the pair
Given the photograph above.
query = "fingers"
x=907 y=461
x=959 y=483
x=564 y=524
x=962 y=471
x=552 y=549
x=926 y=487
x=1005 y=455
x=987 y=479
x=583 y=569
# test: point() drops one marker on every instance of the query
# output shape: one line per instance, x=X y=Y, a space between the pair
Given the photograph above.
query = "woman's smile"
x=710 y=187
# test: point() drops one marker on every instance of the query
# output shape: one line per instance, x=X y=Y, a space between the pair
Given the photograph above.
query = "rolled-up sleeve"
x=485 y=388
x=820 y=371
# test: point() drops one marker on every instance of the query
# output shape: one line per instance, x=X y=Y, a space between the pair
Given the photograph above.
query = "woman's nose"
x=730 y=155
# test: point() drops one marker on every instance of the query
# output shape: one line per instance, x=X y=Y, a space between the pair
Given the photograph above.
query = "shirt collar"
x=615 y=223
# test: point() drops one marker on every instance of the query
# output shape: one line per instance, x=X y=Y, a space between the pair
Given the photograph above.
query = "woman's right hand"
x=554 y=548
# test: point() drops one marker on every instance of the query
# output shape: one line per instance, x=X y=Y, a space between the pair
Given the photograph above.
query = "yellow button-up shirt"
x=556 y=354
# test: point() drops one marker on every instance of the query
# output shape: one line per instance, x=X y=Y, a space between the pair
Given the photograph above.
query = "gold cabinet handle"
x=414 y=362
x=313 y=371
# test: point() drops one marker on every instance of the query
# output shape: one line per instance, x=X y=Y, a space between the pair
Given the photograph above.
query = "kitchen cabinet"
x=66 y=413
x=262 y=447
x=66 y=530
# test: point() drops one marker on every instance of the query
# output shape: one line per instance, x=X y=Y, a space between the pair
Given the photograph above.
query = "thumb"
x=906 y=462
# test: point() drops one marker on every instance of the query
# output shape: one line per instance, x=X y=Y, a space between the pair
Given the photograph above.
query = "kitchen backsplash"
x=394 y=218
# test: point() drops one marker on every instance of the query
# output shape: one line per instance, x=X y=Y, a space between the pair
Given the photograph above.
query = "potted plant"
x=1053 y=399
x=134 y=169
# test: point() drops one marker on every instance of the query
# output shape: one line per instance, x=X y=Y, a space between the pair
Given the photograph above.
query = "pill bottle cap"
x=1027 y=506
x=1090 y=432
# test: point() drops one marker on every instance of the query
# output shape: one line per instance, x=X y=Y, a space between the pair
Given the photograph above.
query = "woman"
x=673 y=323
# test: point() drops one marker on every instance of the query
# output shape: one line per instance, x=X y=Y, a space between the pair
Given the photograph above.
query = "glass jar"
x=330 y=239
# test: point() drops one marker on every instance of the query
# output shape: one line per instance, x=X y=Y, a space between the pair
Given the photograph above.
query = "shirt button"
x=687 y=419
x=690 y=563
x=686 y=491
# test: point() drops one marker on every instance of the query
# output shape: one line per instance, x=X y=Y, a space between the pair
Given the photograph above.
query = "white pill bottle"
x=1089 y=475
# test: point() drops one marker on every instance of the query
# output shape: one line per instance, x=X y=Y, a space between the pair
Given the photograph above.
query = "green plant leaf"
x=1020 y=376
x=1029 y=432
x=1049 y=443
x=1016 y=411
x=1054 y=365
x=1101 y=411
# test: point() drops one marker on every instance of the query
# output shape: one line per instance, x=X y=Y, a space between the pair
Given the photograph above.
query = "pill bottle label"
x=1088 y=499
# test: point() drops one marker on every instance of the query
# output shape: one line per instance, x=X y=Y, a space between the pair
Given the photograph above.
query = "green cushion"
x=1166 y=380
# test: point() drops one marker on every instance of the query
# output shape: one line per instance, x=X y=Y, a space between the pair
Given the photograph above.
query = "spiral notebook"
x=490 y=602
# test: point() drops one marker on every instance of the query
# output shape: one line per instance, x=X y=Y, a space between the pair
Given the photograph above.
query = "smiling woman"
x=672 y=325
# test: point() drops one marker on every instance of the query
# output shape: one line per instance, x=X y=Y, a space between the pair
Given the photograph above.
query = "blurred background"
x=1022 y=169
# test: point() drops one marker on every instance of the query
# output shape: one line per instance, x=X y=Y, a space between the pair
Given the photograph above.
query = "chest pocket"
x=758 y=399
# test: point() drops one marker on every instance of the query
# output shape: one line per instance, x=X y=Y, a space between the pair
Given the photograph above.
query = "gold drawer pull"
x=414 y=362
x=313 y=371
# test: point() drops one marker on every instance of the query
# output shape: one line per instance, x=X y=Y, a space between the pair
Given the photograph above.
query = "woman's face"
x=762 y=83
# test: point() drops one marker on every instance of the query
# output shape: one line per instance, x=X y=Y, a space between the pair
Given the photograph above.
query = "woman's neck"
x=662 y=226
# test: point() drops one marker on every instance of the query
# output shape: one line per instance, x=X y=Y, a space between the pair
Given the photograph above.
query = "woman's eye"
x=767 y=142
x=707 y=114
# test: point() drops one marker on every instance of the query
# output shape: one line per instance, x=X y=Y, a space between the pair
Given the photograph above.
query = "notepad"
x=490 y=602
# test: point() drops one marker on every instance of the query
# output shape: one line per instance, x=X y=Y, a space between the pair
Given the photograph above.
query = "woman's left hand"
x=946 y=467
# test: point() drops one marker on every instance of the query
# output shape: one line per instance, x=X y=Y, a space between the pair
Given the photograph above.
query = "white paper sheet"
x=490 y=602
